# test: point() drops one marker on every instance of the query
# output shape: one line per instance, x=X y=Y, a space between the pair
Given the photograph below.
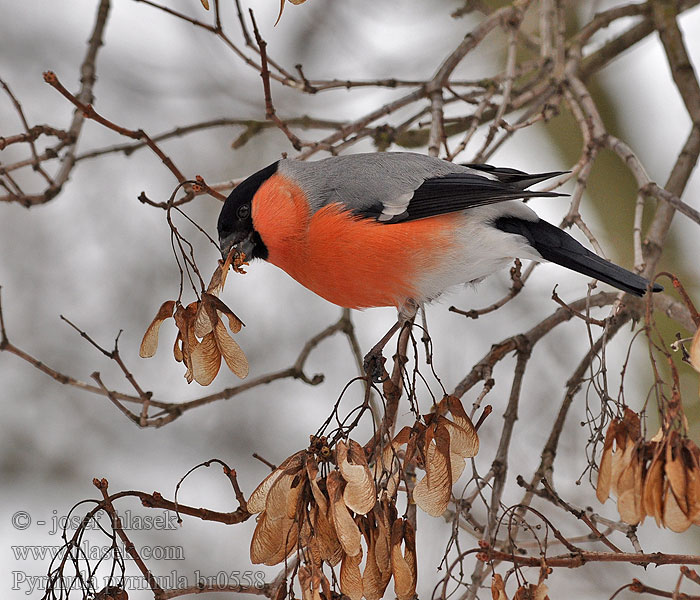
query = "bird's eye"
x=243 y=211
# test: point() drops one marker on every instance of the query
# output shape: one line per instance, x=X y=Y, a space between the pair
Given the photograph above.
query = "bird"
x=398 y=228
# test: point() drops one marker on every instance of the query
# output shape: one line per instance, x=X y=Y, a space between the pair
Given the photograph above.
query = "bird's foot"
x=373 y=365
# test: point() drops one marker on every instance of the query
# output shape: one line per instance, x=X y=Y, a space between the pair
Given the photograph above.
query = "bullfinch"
x=398 y=228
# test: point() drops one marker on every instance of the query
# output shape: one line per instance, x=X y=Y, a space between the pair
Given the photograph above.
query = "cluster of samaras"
x=659 y=478
x=202 y=339
x=525 y=591
x=336 y=506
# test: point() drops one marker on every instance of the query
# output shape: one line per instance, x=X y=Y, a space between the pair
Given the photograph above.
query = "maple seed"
x=149 y=344
x=432 y=493
x=403 y=564
x=257 y=500
x=360 y=494
x=350 y=576
x=348 y=533
x=498 y=588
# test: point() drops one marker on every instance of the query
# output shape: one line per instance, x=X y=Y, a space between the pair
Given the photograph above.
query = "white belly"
x=479 y=250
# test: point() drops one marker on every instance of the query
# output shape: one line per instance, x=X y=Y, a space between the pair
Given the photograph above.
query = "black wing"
x=459 y=191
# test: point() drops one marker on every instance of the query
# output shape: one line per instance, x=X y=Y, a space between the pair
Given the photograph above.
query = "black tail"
x=559 y=247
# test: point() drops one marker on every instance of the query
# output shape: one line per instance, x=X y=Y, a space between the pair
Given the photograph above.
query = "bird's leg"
x=373 y=363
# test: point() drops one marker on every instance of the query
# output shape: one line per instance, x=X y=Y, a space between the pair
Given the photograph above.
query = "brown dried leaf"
x=256 y=501
x=620 y=461
x=294 y=496
x=629 y=499
x=325 y=586
x=386 y=469
x=310 y=541
x=654 y=487
x=432 y=493
x=632 y=425
x=629 y=507
x=312 y=474
x=177 y=348
x=692 y=447
x=149 y=343
x=692 y=474
x=313 y=582
x=277 y=532
x=341 y=451
x=531 y=592
x=674 y=518
x=206 y=360
x=206 y=318
x=267 y=542
x=403 y=564
x=625 y=478
x=234 y=322
x=540 y=592
x=360 y=494
x=457 y=461
x=466 y=441
x=273 y=539
x=306 y=583
x=385 y=515
x=205 y=4
x=604 y=476
x=231 y=351
x=372 y=584
x=316 y=580
x=218 y=278
x=498 y=588
x=278 y=498
x=374 y=581
x=345 y=526
x=208 y=315
x=350 y=576
x=675 y=472
x=695 y=351
x=184 y=319
x=605 y=469
x=693 y=496
x=414 y=438
x=329 y=546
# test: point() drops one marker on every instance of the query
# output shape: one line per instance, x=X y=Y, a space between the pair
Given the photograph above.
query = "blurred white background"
x=99 y=257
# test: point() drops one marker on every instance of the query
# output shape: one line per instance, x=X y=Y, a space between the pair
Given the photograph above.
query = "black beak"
x=243 y=245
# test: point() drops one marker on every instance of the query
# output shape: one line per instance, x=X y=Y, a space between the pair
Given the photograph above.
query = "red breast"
x=348 y=260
